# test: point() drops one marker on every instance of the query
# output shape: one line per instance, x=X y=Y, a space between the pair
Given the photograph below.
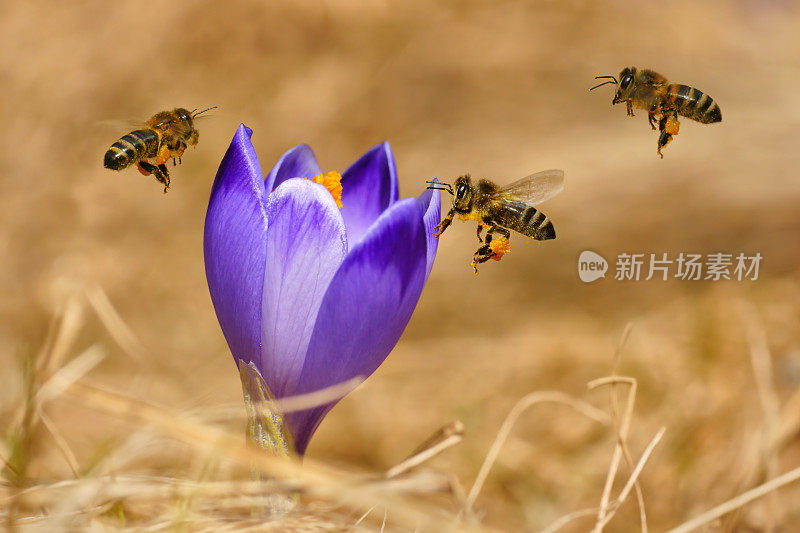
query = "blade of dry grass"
x=615 y=414
x=61 y=335
x=122 y=334
x=69 y=323
x=362 y=517
x=567 y=518
x=309 y=400
x=640 y=465
x=520 y=407
x=626 y=332
x=622 y=436
x=738 y=502
x=61 y=443
x=623 y=495
x=288 y=404
x=144 y=488
x=70 y=373
x=444 y=438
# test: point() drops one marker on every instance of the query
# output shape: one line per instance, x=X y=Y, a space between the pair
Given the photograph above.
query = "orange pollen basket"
x=500 y=247
x=333 y=182
x=672 y=126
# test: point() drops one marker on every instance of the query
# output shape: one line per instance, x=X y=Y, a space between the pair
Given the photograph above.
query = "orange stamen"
x=500 y=247
x=333 y=182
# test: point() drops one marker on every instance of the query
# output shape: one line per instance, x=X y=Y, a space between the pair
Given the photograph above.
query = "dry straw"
x=219 y=497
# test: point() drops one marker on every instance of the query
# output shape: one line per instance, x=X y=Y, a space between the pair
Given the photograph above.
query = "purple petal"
x=431 y=203
x=369 y=186
x=299 y=162
x=234 y=249
x=366 y=308
x=306 y=243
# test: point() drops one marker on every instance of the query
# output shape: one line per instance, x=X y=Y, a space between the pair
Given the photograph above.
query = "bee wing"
x=534 y=189
x=119 y=124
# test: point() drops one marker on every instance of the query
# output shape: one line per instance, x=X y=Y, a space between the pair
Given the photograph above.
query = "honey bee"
x=500 y=209
x=166 y=135
x=663 y=101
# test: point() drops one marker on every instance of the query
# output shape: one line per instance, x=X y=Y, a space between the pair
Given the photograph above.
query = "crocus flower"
x=313 y=295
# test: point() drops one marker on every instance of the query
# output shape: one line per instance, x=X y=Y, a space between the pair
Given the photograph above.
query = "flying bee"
x=166 y=135
x=500 y=209
x=663 y=101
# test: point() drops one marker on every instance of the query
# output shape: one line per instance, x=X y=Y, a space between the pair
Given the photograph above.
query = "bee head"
x=462 y=199
x=180 y=120
x=624 y=84
x=183 y=120
x=184 y=116
x=461 y=191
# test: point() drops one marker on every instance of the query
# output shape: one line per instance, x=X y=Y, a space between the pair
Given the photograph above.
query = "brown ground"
x=498 y=89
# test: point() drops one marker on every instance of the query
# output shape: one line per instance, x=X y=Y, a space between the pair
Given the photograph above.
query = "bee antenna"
x=439 y=186
x=605 y=82
x=203 y=111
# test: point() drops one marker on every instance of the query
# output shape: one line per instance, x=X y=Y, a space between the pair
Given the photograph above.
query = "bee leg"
x=180 y=147
x=162 y=175
x=480 y=229
x=496 y=229
x=663 y=140
x=668 y=126
x=651 y=118
x=160 y=172
x=629 y=107
x=446 y=221
x=164 y=180
x=483 y=254
x=146 y=168
x=175 y=150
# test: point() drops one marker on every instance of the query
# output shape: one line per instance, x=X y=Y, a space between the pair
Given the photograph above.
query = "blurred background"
x=497 y=89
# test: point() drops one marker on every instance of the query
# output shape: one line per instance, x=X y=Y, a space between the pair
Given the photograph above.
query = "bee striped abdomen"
x=527 y=220
x=535 y=224
x=131 y=148
x=693 y=103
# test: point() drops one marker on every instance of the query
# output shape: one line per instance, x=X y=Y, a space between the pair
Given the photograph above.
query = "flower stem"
x=267 y=431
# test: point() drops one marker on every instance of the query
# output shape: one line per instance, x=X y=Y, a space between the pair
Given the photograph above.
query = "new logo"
x=591 y=266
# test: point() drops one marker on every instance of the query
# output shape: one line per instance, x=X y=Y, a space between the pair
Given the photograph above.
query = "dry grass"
x=207 y=486
x=120 y=406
